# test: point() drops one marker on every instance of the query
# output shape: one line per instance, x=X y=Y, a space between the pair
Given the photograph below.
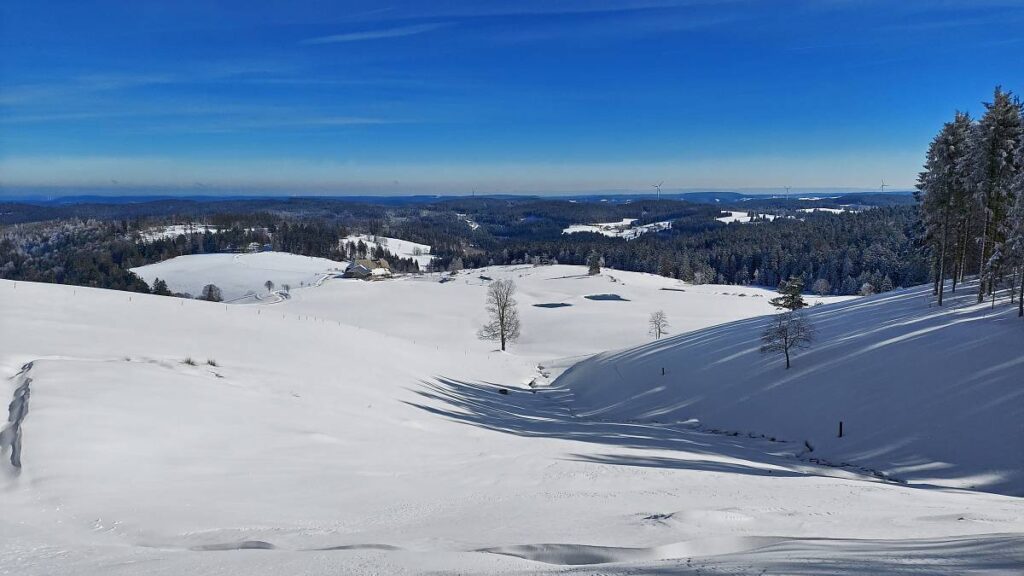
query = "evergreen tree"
x=1015 y=230
x=886 y=284
x=594 y=263
x=994 y=144
x=943 y=195
x=791 y=295
x=160 y=288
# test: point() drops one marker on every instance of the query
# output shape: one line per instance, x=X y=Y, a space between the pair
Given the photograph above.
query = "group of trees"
x=100 y=253
x=873 y=250
x=786 y=332
x=358 y=249
x=79 y=252
x=971 y=200
x=852 y=253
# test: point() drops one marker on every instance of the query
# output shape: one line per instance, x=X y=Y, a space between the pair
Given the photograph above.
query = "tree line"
x=971 y=201
x=852 y=253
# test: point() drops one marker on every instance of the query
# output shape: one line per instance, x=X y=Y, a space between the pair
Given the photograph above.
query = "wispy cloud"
x=228 y=125
x=458 y=9
x=33 y=93
x=381 y=33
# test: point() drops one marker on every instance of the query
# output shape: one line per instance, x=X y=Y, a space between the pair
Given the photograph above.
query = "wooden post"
x=840 y=428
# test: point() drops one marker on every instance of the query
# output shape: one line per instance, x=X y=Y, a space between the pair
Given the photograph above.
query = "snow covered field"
x=358 y=428
x=623 y=229
x=176 y=230
x=238 y=274
x=403 y=248
x=832 y=210
x=584 y=327
x=741 y=217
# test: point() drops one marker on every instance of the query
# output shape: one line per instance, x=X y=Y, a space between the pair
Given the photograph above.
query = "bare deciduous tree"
x=787 y=332
x=501 y=306
x=659 y=324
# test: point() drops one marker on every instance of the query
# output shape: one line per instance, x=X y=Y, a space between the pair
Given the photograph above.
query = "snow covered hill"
x=559 y=320
x=741 y=217
x=360 y=428
x=401 y=248
x=622 y=229
x=928 y=395
x=238 y=274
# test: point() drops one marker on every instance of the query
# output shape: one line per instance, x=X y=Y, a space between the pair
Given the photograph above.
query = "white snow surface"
x=402 y=248
x=358 y=428
x=928 y=395
x=832 y=210
x=238 y=274
x=175 y=230
x=622 y=229
x=741 y=217
x=469 y=222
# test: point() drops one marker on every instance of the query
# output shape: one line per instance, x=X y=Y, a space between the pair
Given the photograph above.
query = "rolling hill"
x=926 y=395
x=348 y=430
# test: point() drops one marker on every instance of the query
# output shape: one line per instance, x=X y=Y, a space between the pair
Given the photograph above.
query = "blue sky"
x=449 y=96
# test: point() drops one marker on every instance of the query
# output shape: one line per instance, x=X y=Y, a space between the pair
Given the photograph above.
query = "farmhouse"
x=368 y=269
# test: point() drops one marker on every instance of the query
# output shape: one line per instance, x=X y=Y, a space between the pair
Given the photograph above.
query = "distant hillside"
x=928 y=395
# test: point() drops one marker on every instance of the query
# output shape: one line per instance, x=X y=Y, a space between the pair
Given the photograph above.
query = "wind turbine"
x=882 y=187
x=787 y=191
x=658 y=188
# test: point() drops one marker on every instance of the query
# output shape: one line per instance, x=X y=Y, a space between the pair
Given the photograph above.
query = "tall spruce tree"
x=993 y=158
x=943 y=196
x=1015 y=230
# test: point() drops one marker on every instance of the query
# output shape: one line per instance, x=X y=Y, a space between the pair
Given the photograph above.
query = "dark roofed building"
x=368 y=269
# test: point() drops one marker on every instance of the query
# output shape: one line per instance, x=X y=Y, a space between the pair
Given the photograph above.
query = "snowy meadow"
x=361 y=426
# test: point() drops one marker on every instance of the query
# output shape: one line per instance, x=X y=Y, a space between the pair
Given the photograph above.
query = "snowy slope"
x=832 y=210
x=928 y=395
x=741 y=217
x=411 y=307
x=401 y=248
x=175 y=230
x=238 y=274
x=329 y=439
x=622 y=229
